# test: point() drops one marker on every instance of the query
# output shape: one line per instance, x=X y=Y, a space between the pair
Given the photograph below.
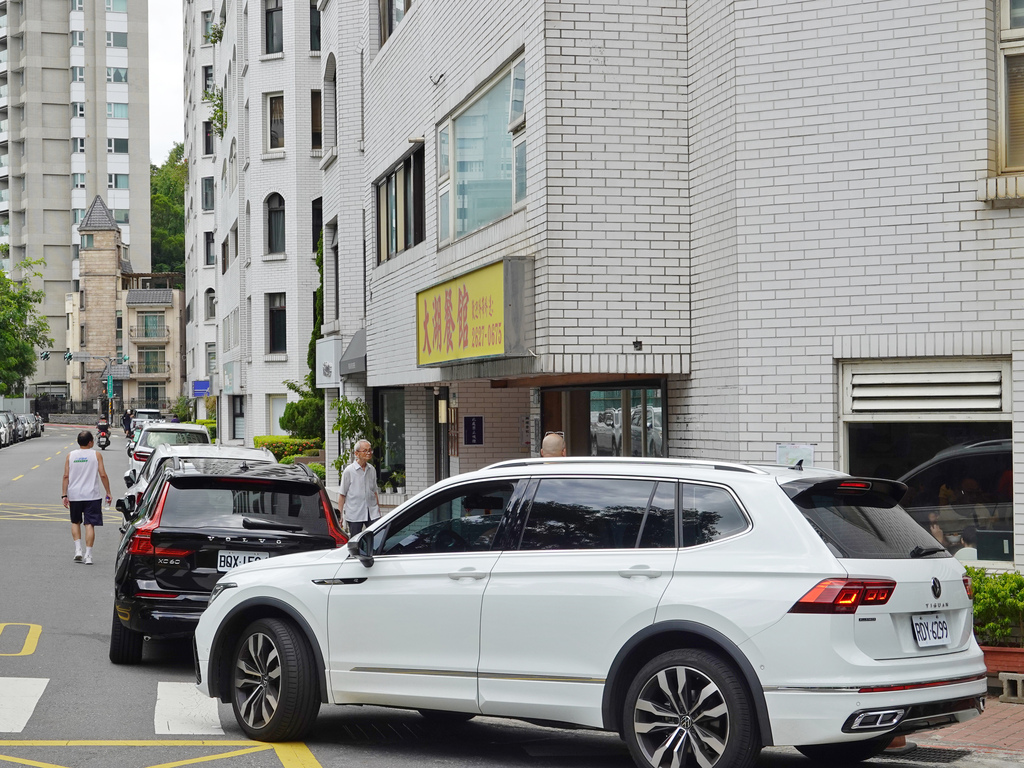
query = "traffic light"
x=68 y=357
x=44 y=355
x=124 y=358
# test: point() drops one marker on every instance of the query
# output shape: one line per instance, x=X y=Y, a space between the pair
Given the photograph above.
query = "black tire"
x=669 y=712
x=125 y=644
x=442 y=718
x=846 y=753
x=274 y=690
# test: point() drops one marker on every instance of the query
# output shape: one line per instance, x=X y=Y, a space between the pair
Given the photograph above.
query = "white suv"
x=702 y=610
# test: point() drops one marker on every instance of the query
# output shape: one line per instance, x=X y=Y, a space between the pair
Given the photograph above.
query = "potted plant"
x=999 y=618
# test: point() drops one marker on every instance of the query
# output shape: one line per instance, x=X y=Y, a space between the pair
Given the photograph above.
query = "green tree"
x=167 y=217
x=22 y=330
x=304 y=418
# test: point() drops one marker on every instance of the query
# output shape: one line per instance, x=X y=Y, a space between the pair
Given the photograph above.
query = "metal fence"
x=47 y=405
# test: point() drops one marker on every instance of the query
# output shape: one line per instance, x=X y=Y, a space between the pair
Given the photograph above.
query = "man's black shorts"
x=90 y=511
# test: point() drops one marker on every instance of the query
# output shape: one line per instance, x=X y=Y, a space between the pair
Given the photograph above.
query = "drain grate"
x=930 y=755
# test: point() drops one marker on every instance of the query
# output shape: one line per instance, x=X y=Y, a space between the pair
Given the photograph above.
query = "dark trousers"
x=355 y=526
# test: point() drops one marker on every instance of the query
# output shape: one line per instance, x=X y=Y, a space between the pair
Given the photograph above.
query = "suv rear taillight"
x=340 y=539
x=844 y=595
x=142 y=538
x=140 y=456
x=969 y=587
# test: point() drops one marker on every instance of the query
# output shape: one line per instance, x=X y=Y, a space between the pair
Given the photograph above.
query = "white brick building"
x=739 y=230
x=252 y=205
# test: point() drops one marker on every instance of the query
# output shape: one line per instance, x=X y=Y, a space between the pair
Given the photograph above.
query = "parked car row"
x=15 y=427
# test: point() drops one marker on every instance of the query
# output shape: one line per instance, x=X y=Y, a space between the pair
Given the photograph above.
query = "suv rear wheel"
x=125 y=644
x=689 y=708
x=274 y=691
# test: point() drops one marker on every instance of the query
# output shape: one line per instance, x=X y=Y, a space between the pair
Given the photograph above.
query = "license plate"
x=226 y=559
x=930 y=629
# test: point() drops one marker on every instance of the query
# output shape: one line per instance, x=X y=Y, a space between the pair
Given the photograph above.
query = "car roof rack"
x=727 y=466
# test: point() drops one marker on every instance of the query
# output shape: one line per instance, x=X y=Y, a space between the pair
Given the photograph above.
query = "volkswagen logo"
x=936 y=588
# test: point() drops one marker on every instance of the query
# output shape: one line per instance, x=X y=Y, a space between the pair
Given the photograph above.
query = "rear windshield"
x=153 y=439
x=218 y=503
x=866 y=526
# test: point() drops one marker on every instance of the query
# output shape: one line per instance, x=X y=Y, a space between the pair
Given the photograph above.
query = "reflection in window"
x=587 y=513
x=709 y=514
x=463 y=519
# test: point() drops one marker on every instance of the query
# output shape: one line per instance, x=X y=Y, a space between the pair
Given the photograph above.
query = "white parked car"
x=702 y=610
x=156 y=433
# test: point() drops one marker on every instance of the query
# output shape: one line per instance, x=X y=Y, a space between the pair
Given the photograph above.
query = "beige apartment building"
x=74 y=124
x=121 y=324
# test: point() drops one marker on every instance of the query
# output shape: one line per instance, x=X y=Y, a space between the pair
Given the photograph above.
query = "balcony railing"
x=148 y=370
x=158 y=333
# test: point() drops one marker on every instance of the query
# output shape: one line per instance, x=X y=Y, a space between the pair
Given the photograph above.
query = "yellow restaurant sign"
x=463 y=318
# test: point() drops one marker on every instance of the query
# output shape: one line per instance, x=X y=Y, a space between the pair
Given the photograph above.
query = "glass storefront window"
x=958 y=474
x=391 y=410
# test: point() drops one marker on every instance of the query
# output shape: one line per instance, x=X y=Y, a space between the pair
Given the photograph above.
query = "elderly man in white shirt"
x=358 y=496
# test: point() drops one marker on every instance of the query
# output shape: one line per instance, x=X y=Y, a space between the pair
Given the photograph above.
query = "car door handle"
x=639 y=570
x=467 y=573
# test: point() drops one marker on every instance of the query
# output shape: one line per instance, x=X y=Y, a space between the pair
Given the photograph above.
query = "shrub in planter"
x=319 y=470
x=287 y=460
x=998 y=608
x=285 y=446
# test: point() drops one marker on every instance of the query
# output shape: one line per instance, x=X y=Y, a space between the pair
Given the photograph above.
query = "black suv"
x=197 y=520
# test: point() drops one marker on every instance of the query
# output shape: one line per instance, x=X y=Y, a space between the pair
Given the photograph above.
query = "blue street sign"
x=200 y=388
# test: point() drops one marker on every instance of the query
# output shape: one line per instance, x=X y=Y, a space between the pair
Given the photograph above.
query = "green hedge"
x=287 y=460
x=311 y=452
x=211 y=425
x=286 y=446
x=319 y=470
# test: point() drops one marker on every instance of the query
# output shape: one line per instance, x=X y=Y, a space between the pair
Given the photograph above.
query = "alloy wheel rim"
x=681 y=718
x=258 y=680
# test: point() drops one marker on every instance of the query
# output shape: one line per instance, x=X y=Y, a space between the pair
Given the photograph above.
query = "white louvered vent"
x=958 y=391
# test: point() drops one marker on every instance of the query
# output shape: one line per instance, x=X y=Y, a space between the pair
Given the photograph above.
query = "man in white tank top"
x=83 y=475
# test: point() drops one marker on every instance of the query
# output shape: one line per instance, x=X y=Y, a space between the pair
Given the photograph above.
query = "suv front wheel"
x=689 y=708
x=274 y=690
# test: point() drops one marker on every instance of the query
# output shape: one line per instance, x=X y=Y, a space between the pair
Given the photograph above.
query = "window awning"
x=354 y=358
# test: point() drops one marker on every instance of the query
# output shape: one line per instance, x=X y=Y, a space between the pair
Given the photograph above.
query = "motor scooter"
x=104 y=435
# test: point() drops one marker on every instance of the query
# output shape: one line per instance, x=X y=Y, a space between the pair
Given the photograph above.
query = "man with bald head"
x=358 y=495
x=553 y=445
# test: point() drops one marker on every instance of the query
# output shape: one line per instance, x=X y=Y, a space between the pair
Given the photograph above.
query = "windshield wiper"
x=920 y=551
x=278 y=525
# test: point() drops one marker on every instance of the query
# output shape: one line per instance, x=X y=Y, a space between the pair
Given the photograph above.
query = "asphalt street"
x=63 y=704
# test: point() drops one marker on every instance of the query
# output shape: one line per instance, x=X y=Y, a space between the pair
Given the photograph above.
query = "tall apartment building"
x=74 y=123
x=252 y=70
x=762 y=232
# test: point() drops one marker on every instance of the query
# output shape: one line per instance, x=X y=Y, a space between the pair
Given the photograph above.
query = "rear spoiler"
x=883 y=493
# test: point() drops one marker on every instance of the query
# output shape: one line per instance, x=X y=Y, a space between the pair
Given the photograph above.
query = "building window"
x=78 y=214
x=78 y=109
x=117 y=181
x=1011 y=54
x=277 y=340
x=87 y=241
x=208 y=79
x=117 y=74
x=207 y=25
x=77 y=38
x=78 y=74
x=274 y=28
x=117 y=111
x=318 y=221
x=207 y=137
x=314 y=26
x=76 y=5
x=117 y=39
x=275 y=121
x=275 y=224
x=316 y=122
x=121 y=215
x=78 y=181
x=479 y=181
x=210 y=303
x=209 y=254
x=78 y=144
x=117 y=6
x=391 y=14
x=238 y=417
x=207 y=193
x=400 y=207
x=211 y=357
x=117 y=146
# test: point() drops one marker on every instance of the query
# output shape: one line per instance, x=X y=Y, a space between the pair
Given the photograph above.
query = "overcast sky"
x=166 y=71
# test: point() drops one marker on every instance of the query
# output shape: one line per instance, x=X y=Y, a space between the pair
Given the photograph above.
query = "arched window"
x=210 y=303
x=275 y=224
x=330 y=103
x=233 y=166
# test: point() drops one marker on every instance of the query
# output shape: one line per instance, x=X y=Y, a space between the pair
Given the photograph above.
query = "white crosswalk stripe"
x=18 y=699
x=182 y=709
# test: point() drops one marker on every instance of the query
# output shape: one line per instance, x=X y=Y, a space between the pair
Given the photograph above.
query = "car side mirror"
x=129 y=479
x=126 y=507
x=361 y=547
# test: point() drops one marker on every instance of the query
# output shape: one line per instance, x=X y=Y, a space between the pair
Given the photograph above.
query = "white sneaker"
x=88 y=560
x=78 y=557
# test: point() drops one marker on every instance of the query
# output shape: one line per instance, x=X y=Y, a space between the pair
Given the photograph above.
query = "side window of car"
x=709 y=513
x=148 y=498
x=596 y=513
x=460 y=519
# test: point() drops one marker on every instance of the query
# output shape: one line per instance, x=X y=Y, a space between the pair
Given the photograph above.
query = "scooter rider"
x=103 y=428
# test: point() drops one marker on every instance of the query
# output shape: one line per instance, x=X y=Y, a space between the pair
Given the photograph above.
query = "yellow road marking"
x=48 y=458
x=209 y=758
x=36 y=467
x=18 y=478
x=31 y=639
x=291 y=754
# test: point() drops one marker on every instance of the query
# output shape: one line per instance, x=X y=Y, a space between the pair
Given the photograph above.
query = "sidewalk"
x=999 y=728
